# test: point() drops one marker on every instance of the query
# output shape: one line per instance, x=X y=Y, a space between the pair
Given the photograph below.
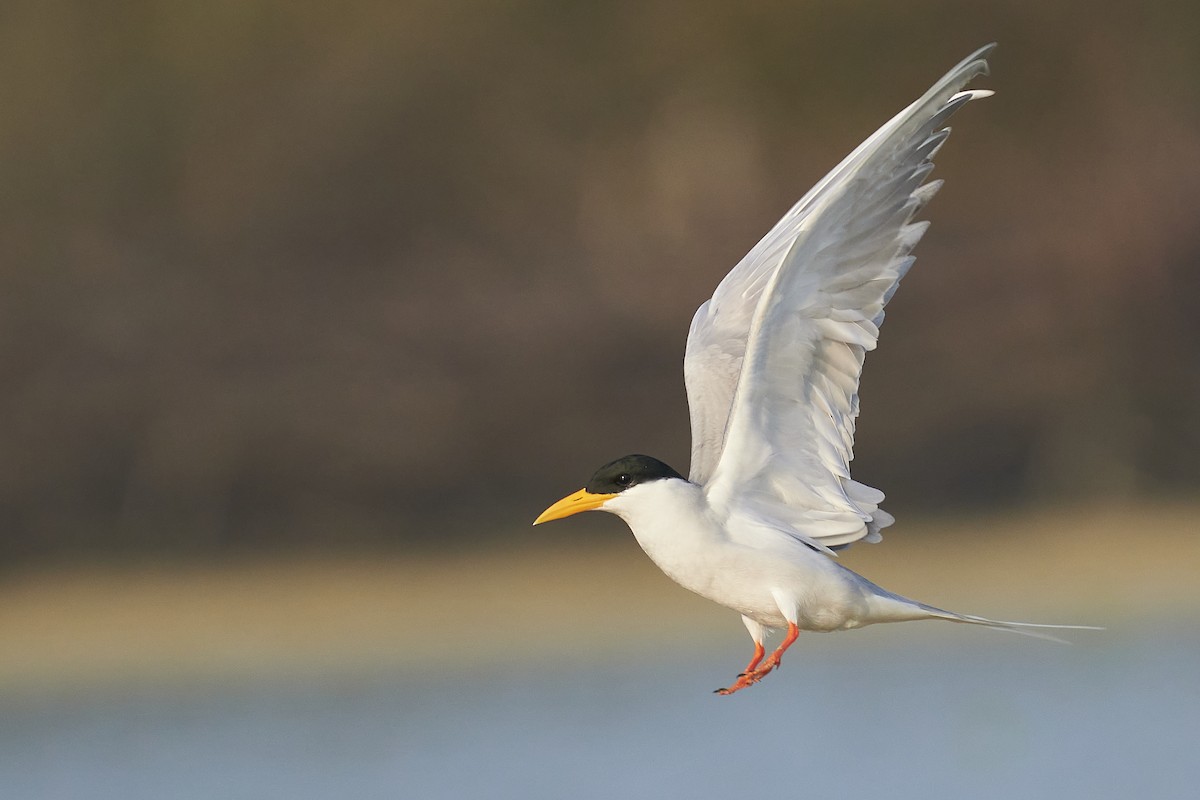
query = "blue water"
x=951 y=713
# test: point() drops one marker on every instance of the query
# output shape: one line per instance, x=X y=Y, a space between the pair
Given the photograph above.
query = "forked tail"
x=1034 y=629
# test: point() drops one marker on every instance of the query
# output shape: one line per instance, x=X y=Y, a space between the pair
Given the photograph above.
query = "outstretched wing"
x=774 y=358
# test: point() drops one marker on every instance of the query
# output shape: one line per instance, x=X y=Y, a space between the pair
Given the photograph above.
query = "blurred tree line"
x=278 y=273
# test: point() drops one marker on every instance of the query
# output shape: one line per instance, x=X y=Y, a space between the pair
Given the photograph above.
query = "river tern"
x=772 y=368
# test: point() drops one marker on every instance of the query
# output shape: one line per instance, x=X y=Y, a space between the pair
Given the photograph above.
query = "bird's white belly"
x=740 y=562
x=750 y=580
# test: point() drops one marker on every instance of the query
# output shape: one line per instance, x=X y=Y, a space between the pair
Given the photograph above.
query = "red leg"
x=755 y=673
x=742 y=682
x=776 y=658
x=759 y=652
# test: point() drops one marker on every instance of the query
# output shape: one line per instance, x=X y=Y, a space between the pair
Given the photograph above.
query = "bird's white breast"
x=729 y=561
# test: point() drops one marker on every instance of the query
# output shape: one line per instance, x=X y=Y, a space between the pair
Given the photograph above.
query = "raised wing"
x=774 y=358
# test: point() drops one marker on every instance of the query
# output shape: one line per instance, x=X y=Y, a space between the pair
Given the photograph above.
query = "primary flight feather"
x=772 y=368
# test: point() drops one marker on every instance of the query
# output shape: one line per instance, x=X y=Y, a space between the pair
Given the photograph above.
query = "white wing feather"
x=773 y=359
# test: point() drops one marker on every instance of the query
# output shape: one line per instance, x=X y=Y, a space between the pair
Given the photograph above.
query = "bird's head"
x=611 y=481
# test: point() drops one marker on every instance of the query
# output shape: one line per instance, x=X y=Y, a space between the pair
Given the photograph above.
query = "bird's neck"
x=671 y=521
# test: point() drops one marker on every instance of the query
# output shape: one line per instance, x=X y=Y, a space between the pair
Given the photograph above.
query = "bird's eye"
x=623 y=480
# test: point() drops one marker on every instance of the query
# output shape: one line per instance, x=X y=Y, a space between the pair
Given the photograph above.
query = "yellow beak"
x=583 y=500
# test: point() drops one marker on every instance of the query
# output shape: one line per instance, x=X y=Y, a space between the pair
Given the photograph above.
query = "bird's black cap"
x=617 y=476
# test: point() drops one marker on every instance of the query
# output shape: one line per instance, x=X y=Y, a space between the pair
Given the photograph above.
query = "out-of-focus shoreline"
x=82 y=627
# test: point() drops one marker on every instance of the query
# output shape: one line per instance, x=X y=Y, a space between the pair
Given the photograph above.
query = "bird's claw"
x=743 y=680
x=755 y=671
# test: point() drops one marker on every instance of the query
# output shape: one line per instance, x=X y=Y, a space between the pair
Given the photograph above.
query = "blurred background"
x=307 y=310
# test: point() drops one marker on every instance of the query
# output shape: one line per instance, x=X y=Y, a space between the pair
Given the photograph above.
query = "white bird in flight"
x=772 y=368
